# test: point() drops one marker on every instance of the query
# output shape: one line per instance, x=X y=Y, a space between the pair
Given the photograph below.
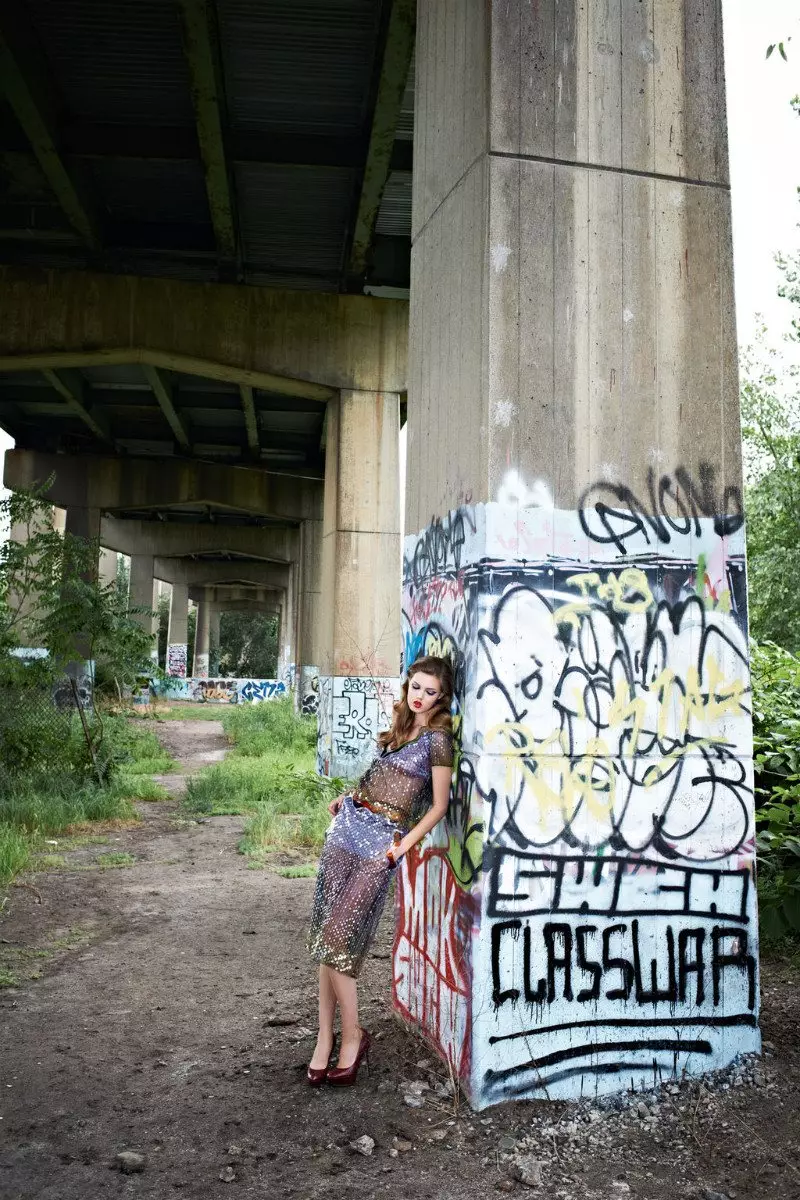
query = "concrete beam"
x=222 y=596
x=244 y=334
x=71 y=388
x=250 y=420
x=232 y=574
x=201 y=45
x=117 y=483
x=168 y=540
x=163 y=390
x=394 y=73
x=24 y=81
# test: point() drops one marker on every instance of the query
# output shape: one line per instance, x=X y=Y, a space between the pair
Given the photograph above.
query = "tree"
x=248 y=646
x=50 y=598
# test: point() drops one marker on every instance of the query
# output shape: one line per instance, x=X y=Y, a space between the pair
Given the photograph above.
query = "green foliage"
x=776 y=744
x=770 y=406
x=265 y=728
x=271 y=775
x=248 y=646
x=15 y=849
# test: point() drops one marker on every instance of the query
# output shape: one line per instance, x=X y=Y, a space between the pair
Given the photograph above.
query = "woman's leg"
x=327 y=1010
x=347 y=998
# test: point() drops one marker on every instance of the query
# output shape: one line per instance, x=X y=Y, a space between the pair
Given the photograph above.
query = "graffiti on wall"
x=176 y=659
x=597 y=860
x=220 y=691
x=353 y=710
x=309 y=691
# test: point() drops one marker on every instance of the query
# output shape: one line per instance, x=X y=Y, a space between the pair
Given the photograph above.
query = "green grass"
x=139 y=787
x=304 y=871
x=15 y=851
x=115 y=859
x=48 y=862
x=269 y=775
x=21 y=964
x=132 y=749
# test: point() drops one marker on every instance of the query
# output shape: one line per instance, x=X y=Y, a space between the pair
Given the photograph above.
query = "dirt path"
x=172 y=1018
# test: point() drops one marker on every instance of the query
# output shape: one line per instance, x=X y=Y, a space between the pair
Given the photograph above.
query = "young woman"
x=400 y=798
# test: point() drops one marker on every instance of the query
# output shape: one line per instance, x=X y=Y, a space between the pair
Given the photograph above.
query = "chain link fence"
x=48 y=727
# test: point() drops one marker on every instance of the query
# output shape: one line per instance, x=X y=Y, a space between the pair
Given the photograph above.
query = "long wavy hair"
x=438 y=717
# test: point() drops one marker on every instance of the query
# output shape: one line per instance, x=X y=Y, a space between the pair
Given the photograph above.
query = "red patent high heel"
x=316 y=1076
x=346 y=1076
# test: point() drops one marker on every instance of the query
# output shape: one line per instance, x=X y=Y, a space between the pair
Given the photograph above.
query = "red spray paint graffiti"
x=432 y=955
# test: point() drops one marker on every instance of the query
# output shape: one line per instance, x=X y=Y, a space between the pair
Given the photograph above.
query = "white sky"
x=764 y=142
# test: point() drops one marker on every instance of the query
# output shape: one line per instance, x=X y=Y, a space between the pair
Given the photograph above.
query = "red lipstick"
x=417 y=703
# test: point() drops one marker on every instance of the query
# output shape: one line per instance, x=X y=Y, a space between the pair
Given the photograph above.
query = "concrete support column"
x=81 y=521
x=108 y=567
x=310 y=619
x=177 y=636
x=201 y=640
x=576 y=548
x=214 y=619
x=360 y=629
x=143 y=595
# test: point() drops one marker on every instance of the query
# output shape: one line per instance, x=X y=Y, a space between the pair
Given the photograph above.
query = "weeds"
x=304 y=871
x=115 y=859
x=269 y=775
x=15 y=850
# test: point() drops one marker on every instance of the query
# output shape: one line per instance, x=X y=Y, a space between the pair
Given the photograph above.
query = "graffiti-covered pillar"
x=177 y=634
x=202 y=637
x=585 y=921
x=360 y=629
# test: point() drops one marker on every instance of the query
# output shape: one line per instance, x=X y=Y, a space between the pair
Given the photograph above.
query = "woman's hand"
x=336 y=804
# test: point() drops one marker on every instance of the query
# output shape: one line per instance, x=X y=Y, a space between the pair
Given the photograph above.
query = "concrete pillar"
x=310 y=617
x=177 y=634
x=143 y=595
x=585 y=919
x=24 y=601
x=81 y=522
x=201 y=640
x=213 y=639
x=360 y=626
x=108 y=567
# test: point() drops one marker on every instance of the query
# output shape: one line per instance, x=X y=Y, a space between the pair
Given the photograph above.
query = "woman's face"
x=423 y=693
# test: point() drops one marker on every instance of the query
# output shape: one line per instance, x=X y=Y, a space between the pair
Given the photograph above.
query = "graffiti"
x=218 y=691
x=599 y=841
x=353 y=710
x=176 y=659
x=201 y=666
x=253 y=691
x=431 y=958
x=309 y=691
x=82 y=674
x=627 y=517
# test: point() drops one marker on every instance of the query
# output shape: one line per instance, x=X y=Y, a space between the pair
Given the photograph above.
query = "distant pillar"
x=360 y=656
x=201 y=640
x=177 y=634
x=310 y=620
x=84 y=523
x=585 y=919
x=108 y=567
x=213 y=640
x=143 y=595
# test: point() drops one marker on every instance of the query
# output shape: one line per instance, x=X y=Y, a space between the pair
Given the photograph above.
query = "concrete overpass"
x=220 y=285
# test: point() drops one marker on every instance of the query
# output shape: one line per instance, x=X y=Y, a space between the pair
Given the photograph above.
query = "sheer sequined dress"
x=354 y=873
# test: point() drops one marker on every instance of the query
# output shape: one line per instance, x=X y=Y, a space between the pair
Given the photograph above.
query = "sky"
x=764 y=145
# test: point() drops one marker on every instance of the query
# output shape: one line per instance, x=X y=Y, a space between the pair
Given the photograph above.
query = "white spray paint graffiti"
x=595 y=876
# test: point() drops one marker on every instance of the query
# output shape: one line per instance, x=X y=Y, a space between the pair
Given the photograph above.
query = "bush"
x=776 y=745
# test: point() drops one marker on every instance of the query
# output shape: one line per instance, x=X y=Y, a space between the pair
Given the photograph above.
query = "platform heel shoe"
x=346 y=1076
